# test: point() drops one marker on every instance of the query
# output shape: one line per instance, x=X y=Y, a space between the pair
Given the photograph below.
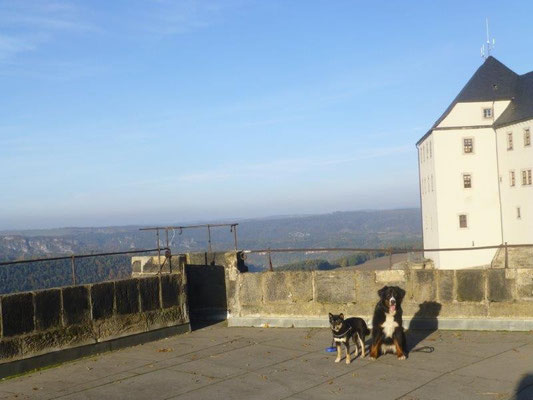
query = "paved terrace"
x=252 y=363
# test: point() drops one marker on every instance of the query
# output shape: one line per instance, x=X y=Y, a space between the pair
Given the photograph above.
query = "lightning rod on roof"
x=488 y=46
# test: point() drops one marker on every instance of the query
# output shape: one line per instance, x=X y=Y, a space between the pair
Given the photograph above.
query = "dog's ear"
x=330 y=316
x=401 y=293
x=341 y=316
x=381 y=291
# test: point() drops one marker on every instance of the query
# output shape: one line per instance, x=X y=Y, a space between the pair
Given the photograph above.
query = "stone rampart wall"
x=454 y=299
x=45 y=321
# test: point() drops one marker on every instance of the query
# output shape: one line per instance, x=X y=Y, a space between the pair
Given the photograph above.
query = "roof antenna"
x=488 y=46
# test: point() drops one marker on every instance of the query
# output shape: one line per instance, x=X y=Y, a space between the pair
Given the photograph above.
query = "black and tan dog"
x=345 y=329
x=387 y=330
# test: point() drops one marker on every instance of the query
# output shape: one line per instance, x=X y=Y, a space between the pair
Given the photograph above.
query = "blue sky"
x=127 y=112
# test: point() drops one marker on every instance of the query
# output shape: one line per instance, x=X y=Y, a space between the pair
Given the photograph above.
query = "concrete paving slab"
x=159 y=384
x=375 y=380
x=462 y=388
x=506 y=366
x=257 y=356
x=209 y=369
x=273 y=363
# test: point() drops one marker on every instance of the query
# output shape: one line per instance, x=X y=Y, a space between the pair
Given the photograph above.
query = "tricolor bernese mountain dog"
x=345 y=329
x=387 y=331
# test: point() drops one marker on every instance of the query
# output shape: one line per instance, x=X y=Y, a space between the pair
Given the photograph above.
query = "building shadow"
x=524 y=389
x=206 y=295
x=424 y=323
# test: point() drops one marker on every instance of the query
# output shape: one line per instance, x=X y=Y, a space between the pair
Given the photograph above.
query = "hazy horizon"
x=198 y=221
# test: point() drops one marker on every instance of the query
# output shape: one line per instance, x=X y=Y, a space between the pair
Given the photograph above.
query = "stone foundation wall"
x=503 y=297
x=40 y=322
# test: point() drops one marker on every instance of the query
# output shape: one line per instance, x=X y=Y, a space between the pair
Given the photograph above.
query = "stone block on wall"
x=127 y=296
x=470 y=285
x=251 y=288
x=511 y=309
x=390 y=278
x=366 y=288
x=423 y=286
x=170 y=290
x=10 y=348
x=102 y=297
x=149 y=288
x=524 y=283
x=288 y=287
x=76 y=308
x=17 y=314
x=500 y=288
x=335 y=286
x=48 y=309
x=445 y=285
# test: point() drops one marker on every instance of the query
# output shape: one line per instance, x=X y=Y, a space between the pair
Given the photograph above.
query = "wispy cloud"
x=274 y=168
x=170 y=17
x=27 y=25
x=13 y=45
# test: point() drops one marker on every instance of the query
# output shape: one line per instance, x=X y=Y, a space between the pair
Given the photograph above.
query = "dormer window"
x=487 y=113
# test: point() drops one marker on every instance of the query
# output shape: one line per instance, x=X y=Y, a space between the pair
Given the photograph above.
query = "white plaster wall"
x=428 y=186
x=471 y=114
x=480 y=203
x=516 y=231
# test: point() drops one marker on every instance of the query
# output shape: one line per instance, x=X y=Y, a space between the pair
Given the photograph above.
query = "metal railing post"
x=158 y=251
x=506 y=256
x=234 y=229
x=390 y=258
x=270 y=268
x=209 y=238
x=73 y=266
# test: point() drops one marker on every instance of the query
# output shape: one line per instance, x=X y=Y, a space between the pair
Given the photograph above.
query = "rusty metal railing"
x=388 y=251
x=73 y=257
x=233 y=229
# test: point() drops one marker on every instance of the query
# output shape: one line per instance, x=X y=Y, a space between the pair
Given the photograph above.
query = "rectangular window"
x=467 y=181
x=462 y=221
x=527 y=137
x=511 y=178
x=468 y=145
x=526 y=177
x=518 y=215
x=487 y=113
x=510 y=141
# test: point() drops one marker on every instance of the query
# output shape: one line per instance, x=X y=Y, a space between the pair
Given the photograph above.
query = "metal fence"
x=389 y=251
x=157 y=229
x=73 y=258
x=267 y=252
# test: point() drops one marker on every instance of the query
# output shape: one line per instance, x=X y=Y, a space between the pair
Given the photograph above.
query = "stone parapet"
x=496 y=295
x=45 y=321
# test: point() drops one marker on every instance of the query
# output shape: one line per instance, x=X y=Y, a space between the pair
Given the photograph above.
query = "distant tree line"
x=49 y=274
x=325 y=265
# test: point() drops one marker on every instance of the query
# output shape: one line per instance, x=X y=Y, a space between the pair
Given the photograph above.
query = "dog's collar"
x=340 y=335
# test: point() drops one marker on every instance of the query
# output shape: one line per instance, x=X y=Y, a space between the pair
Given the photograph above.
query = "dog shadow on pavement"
x=423 y=324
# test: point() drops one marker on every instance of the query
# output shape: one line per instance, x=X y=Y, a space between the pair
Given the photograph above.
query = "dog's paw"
x=401 y=358
x=372 y=358
x=348 y=361
x=337 y=360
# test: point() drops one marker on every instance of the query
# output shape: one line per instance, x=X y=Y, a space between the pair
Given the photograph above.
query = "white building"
x=475 y=168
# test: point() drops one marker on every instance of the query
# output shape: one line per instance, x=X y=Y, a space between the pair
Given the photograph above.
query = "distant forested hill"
x=379 y=229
